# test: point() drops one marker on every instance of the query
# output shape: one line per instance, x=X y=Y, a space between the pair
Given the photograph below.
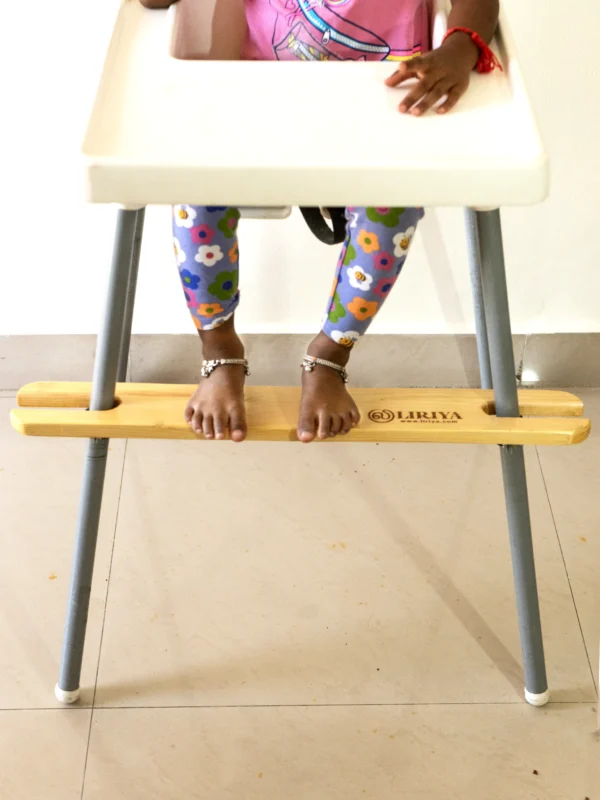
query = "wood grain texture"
x=155 y=411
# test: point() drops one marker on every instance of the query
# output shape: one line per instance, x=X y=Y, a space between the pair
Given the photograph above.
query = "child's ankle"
x=324 y=347
x=222 y=342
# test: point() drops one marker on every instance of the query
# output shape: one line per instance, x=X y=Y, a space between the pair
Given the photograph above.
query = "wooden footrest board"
x=155 y=411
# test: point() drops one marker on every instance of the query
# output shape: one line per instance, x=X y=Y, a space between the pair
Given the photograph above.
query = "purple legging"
x=373 y=254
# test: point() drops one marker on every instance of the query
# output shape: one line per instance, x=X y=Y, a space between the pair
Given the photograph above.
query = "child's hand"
x=444 y=72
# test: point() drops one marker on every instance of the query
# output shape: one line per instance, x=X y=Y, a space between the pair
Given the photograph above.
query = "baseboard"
x=561 y=360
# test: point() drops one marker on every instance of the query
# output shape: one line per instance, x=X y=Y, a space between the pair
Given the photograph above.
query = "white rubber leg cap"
x=537 y=699
x=66 y=697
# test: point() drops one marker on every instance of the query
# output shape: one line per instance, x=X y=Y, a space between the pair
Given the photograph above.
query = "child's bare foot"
x=217 y=405
x=326 y=407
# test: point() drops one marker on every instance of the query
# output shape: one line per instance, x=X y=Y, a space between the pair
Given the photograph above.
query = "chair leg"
x=109 y=351
x=130 y=299
x=497 y=317
x=474 y=252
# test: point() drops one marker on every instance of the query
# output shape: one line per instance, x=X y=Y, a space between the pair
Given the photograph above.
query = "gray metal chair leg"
x=130 y=299
x=108 y=352
x=474 y=253
x=497 y=316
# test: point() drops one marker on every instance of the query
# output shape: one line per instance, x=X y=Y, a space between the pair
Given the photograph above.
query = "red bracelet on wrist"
x=487 y=58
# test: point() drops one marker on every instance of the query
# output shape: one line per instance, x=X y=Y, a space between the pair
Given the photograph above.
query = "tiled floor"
x=314 y=623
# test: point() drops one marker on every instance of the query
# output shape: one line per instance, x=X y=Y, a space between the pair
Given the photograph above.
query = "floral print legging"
x=373 y=254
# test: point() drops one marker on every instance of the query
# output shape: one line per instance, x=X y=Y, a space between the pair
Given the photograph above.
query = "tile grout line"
x=110 y=564
x=562 y=554
x=242 y=706
x=415 y=704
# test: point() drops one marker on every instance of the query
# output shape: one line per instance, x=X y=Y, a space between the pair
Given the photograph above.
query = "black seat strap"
x=316 y=222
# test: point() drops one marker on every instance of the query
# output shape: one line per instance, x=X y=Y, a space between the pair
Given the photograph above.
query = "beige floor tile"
x=345 y=753
x=271 y=574
x=381 y=359
x=42 y=754
x=573 y=479
x=39 y=489
x=45 y=358
x=564 y=359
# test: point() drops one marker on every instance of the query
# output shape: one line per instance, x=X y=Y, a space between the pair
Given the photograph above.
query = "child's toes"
x=189 y=414
x=307 y=427
x=336 y=424
x=355 y=416
x=347 y=423
x=324 y=425
x=196 y=421
x=237 y=425
x=208 y=428
x=220 y=423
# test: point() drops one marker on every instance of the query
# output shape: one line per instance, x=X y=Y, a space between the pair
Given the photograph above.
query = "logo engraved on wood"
x=384 y=415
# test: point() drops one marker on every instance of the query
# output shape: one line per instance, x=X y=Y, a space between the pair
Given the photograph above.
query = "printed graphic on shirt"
x=313 y=30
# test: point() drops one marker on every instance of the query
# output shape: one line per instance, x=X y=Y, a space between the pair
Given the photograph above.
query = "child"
x=378 y=239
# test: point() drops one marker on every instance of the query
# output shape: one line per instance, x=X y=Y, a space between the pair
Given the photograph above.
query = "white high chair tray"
x=217 y=132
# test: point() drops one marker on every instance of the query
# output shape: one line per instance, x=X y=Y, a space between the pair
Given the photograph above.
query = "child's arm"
x=447 y=70
x=157 y=3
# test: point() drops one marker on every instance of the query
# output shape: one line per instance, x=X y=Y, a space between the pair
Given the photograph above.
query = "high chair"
x=486 y=154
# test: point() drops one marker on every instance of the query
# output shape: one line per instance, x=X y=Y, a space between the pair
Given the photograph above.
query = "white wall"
x=55 y=250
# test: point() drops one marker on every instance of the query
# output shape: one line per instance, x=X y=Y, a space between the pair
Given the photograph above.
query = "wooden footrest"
x=155 y=411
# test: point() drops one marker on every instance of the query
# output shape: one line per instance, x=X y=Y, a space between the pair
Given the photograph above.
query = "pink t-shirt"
x=336 y=30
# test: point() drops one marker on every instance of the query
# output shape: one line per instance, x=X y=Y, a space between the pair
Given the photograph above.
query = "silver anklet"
x=208 y=367
x=310 y=362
